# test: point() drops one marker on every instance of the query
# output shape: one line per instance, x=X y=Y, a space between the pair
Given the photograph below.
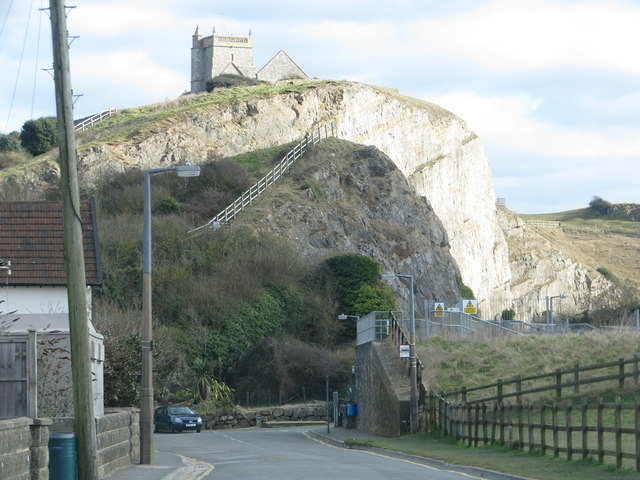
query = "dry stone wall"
x=242 y=418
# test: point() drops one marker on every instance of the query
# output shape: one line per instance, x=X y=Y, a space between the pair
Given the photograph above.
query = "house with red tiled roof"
x=33 y=305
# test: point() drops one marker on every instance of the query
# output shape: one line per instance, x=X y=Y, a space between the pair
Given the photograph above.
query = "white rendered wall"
x=38 y=300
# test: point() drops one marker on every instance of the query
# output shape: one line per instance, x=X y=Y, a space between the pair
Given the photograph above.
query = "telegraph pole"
x=85 y=427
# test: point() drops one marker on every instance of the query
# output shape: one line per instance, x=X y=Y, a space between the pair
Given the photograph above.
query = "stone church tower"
x=218 y=54
x=227 y=54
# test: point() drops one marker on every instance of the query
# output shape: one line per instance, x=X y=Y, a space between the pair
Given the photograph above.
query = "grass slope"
x=596 y=241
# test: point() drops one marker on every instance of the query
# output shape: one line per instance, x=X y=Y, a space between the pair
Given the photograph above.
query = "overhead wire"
x=35 y=72
x=15 y=86
x=4 y=22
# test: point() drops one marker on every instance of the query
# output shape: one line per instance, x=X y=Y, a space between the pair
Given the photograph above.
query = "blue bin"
x=352 y=410
x=62 y=456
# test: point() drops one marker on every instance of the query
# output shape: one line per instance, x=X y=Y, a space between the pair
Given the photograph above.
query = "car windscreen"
x=180 y=411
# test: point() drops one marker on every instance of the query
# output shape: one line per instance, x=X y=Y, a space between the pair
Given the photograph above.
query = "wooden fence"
x=556 y=382
x=607 y=431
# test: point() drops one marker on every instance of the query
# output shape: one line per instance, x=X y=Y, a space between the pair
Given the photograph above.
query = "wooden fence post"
x=637 y=433
x=500 y=390
x=621 y=373
x=568 y=432
x=520 y=426
x=576 y=378
x=518 y=387
x=494 y=421
x=501 y=407
x=618 y=431
x=476 y=425
x=530 y=426
x=543 y=429
x=600 y=432
x=554 y=426
x=485 y=439
x=585 y=429
x=558 y=384
x=635 y=369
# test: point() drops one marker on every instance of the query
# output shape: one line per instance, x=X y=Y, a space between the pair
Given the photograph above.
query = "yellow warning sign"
x=439 y=308
x=470 y=307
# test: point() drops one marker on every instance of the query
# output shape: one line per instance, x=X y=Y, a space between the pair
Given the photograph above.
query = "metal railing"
x=93 y=119
x=247 y=198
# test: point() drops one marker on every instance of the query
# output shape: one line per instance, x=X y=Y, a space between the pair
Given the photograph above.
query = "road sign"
x=469 y=306
x=439 y=308
x=404 y=351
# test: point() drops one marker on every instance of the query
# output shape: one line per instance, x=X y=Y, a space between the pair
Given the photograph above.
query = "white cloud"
x=115 y=18
x=133 y=69
x=511 y=122
x=533 y=34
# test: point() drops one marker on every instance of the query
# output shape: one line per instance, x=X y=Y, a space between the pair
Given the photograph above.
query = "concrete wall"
x=382 y=409
x=24 y=444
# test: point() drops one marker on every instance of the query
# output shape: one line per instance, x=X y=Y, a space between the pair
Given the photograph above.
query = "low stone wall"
x=24 y=444
x=118 y=438
x=242 y=418
x=24 y=448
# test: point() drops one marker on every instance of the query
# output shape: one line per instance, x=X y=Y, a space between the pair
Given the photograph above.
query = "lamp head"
x=188 y=170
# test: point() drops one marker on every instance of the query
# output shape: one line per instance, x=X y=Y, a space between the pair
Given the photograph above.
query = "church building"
x=228 y=54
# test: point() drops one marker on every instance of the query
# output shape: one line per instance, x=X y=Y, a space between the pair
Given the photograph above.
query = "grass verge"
x=524 y=464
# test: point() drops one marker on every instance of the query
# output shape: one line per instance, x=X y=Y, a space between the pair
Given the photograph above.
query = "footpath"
x=168 y=466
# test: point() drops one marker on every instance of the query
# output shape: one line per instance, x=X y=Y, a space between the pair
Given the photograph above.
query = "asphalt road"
x=285 y=454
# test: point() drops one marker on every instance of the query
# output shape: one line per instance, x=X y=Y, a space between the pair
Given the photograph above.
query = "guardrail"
x=93 y=119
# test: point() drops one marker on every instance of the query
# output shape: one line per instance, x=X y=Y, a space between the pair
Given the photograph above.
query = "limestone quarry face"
x=440 y=157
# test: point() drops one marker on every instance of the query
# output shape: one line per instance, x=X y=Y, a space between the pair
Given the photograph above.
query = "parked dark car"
x=176 y=418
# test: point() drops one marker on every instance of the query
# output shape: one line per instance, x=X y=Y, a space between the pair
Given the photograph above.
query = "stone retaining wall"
x=242 y=418
x=24 y=448
x=24 y=444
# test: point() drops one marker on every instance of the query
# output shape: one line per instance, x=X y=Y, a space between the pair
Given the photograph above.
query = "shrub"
x=606 y=273
x=168 y=204
x=39 y=136
x=508 y=314
x=600 y=206
x=465 y=292
x=228 y=80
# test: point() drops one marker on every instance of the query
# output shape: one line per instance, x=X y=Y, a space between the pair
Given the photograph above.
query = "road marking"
x=193 y=470
x=394 y=458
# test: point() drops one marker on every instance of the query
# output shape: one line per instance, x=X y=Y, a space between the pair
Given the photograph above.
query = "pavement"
x=167 y=466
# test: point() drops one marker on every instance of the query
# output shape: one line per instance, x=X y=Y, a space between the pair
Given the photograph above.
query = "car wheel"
x=198 y=430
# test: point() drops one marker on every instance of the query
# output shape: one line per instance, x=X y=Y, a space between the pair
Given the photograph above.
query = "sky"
x=552 y=87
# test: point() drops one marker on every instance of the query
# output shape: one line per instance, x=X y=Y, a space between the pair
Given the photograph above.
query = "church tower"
x=220 y=54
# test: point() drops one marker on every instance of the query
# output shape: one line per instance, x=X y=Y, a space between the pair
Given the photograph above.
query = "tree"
x=599 y=205
x=39 y=136
x=10 y=142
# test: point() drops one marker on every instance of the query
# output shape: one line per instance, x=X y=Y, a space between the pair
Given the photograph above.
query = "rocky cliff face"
x=440 y=157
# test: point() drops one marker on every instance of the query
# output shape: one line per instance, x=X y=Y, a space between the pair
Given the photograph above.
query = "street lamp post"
x=146 y=344
x=412 y=351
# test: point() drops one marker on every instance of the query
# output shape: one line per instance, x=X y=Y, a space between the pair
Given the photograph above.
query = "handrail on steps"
x=247 y=198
